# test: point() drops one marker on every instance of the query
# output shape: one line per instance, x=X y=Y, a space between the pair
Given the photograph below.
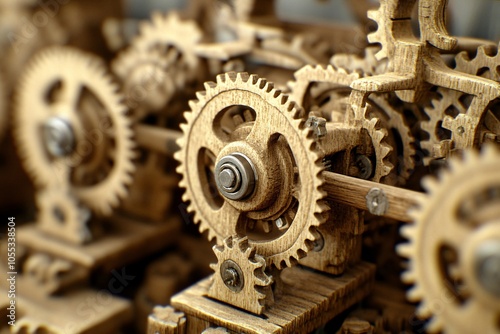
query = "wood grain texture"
x=129 y=240
x=165 y=320
x=83 y=311
x=352 y=191
x=309 y=300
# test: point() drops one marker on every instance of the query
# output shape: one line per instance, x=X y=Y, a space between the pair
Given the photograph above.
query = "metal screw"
x=365 y=166
x=376 y=202
x=487 y=266
x=59 y=137
x=235 y=176
x=461 y=130
x=232 y=275
x=280 y=223
x=318 y=124
x=319 y=242
x=227 y=178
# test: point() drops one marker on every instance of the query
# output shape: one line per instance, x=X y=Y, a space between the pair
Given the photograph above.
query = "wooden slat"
x=129 y=241
x=309 y=300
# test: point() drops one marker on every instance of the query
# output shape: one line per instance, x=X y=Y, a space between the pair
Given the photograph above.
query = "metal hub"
x=59 y=137
x=235 y=176
x=232 y=276
x=487 y=266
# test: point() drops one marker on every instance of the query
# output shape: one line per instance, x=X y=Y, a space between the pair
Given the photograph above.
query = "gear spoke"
x=261 y=134
x=70 y=93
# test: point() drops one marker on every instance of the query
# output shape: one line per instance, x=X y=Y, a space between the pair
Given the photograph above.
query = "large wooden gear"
x=456 y=232
x=73 y=159
x=286 y=166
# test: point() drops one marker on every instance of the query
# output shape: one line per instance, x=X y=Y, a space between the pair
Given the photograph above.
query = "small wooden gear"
x=240 y=278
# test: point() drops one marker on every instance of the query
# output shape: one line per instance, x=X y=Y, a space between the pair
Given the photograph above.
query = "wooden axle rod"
x=392 y=202
x=157 y=139
x=358 y=193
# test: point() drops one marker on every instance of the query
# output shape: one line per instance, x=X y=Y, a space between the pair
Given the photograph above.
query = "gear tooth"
x=423 y=310
x=405 y=250
x=269 y=87
x=408 y=231
x=214 y=267
x=435 y=325
x=229 y=242
x=461 y=58
x=429 y=184
x=372 y=14
x=294 y=109
x=220 y=79
x=415 y=293
x=322 y=207
x=245 y=77
x=292 y=260
x=303 y=71
x=408 y=277
x=386 y=149
x=261 y=83
x=185 y=197
x=182 y=182
x=218 y=249
x=201 y=95
x=387 y=168
x=454 y=164
x=483 y=51
x=178 y=156
x=209 y=85
x=193 y=104
x=284 y=101
x=232 y=77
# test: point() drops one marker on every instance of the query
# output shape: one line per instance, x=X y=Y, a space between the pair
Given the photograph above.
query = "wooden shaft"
x=340 y=188
x=351 y=191
x=157 y=139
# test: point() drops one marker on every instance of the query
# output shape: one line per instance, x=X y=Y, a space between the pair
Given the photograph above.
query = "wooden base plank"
x=309 y=300
x=80 y=311
x=130 y=240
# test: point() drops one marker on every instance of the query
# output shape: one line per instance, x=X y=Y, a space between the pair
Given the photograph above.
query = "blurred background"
x=477 y=18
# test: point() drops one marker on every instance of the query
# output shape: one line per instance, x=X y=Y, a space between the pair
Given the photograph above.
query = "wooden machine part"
x=307 y=168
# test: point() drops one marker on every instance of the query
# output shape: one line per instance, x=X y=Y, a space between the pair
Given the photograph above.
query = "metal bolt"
x=227 y=178
x=59 y=137
x=280 y=223
x=365 y=167
x=235 y=176
x=376 y=202
x=487 y=266
x=232 y=275
x=319 y=242
x=318 y=124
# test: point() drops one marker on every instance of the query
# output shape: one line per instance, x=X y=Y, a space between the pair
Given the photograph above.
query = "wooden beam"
x=352 y=191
